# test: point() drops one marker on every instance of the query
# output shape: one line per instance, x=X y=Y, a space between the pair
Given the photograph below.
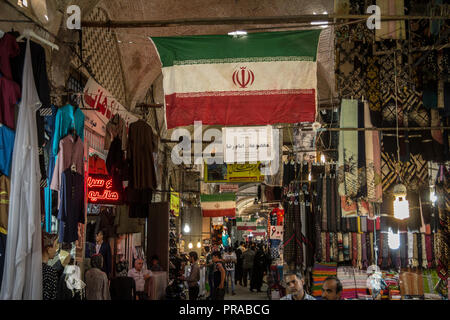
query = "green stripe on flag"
x=218 y=197
x=258 y=47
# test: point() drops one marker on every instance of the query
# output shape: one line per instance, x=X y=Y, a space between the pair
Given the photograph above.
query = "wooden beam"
x=244 y=20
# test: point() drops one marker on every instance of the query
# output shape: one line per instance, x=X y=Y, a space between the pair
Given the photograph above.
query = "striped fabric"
x=320 y=272
x=347 y=277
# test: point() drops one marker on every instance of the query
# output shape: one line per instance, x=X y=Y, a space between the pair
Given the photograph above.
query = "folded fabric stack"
x=361 y=284
x=347 y=277
x=320 y=272
x=392 y=291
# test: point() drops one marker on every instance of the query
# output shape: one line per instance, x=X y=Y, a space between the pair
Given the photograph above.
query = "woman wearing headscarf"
x=97 y=286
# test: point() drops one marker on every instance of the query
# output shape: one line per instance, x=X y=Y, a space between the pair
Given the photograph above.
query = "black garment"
x=2 y=254
x=139 y=202
x=71 y=209
x=141 y=295
x=105 y=251
x=259 y=266
x=193 y=292
x=42 y=86
x=90 y=231
x=246 y=273
x=49 y=282
x=122 y=288
x=106 y=223
x=238 y=274
x=116 y=164
x=217 y=274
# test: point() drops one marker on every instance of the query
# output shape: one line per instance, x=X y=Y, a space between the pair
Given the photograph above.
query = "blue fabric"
x=67 y=118
x=71 y=208
x=50 y=122
x=6 y=149
x=225 y=240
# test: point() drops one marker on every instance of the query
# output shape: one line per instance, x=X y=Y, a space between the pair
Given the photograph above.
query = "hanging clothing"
x=67 y=117
x=38 y=61
x=22 y=278
x=9 y=96
x=97 y=165
x=116 y=164
x=5 y=192
x=49 y=131
x=116 y=128
x=71 y=152
x=49 y=282
x=124 y=224
x=71 y=209
x=8 y=50
x=141 y=144
x=6 y=149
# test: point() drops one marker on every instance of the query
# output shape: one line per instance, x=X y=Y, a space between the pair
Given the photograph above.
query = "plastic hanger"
x=28 y=33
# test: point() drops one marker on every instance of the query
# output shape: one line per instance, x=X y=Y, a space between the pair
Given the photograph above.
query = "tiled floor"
x=243 y=293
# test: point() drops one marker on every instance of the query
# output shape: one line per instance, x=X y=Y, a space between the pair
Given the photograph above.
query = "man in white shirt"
x=230 y=267
x=140 y=276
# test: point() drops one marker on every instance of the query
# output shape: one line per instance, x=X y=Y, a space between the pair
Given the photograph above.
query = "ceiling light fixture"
x=237 y=33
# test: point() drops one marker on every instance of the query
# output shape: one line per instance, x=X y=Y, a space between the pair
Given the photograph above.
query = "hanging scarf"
x=329 y=210
x=429 y=250
x=348 y=207
x=324 y=205
x=337 y=205
x=327 y=239
x=424 y=252
x=324 y=246
x=340 y=241
x=415 y=262
x=346 y=249
x=419 y=248
x=404 y=249
x=410 y=248
x=335 y=247
x=363 y=224
x=317 y=231
x=362 y=179
x=358 y=222
x=350 y=246
x=354 y=249
x=364 y=250
x=385 y=251
x=359 y=252
x=332 y=205
x=370 y=225
x=348 y=149
x=380 y=247
x=372 y=253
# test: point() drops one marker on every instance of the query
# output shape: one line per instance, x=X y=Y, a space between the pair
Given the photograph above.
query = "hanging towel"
x=362 y=178
x=346 y=249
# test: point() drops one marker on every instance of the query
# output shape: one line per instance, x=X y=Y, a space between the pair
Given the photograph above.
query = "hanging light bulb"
x=187 y=229
x=322 y=158
x=199 y=245
x=401 y=205
x=393 y=239
x=190 y=245
x=433 y=197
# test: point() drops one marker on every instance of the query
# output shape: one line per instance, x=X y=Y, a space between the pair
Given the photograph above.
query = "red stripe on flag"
x=241 y=110
x=219 y=213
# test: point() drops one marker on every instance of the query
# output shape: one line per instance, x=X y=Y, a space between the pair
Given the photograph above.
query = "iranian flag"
x=245 y=225
x=218 y=205
x=256 y=79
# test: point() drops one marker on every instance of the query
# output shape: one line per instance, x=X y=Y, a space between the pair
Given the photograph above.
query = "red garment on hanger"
x=97 y=165
x=280 y=215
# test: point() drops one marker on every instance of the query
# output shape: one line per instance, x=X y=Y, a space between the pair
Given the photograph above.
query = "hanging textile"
x=442 y=249
x=22 y=277
x=391 y=29
x=348 y=149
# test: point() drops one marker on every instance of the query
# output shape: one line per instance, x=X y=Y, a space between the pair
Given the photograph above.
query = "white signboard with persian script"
x=104 y=106
x=248 y=144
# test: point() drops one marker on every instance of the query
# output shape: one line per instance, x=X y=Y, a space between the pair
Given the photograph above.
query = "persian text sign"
x=100 y=190
x=248 y=144
x=104 y=106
